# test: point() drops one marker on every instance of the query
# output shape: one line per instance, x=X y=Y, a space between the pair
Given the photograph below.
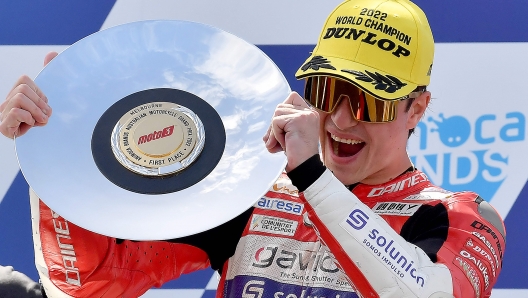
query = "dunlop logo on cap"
x=385 y=47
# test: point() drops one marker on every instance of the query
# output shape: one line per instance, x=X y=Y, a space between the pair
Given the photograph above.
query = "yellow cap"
x=385 y=47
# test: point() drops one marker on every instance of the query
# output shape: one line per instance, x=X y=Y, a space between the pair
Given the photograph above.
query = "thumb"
x=50 y=57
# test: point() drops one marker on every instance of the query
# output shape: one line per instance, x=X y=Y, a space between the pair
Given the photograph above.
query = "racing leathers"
x=319 y=238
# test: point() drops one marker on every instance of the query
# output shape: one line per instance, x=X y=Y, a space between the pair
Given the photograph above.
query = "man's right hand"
x=25 y=106
x=294 y=129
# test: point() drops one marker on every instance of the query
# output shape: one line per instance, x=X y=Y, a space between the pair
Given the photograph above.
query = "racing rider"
x=353 y=220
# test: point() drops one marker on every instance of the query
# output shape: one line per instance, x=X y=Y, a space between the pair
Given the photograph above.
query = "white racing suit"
x=403 y=238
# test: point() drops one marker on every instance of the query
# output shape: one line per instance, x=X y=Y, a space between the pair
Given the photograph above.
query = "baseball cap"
x=385 y=47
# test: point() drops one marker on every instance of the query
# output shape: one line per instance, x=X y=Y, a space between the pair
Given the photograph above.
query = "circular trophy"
x=156 y=130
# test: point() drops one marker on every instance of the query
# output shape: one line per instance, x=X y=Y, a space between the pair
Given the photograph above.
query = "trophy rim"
x=240 y=82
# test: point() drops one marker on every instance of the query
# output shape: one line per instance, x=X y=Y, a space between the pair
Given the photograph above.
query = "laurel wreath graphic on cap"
x=316 y=63
x=387 y=83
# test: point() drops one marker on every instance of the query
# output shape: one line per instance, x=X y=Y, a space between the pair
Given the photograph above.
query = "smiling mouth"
x=346 y=147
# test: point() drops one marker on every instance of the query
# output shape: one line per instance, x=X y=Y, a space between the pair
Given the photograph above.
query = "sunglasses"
x=325 y=93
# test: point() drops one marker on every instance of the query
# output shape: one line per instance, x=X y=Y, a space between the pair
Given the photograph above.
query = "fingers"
x=274 y=137
x=50 y=57
x=28 y=96
x=25 y=106
x=17 y=123
x=273 y=146
x=294 y=129
x=285 y=114
x=271 y=142
x=279 y=132
x=22 y=85
x=296 y=100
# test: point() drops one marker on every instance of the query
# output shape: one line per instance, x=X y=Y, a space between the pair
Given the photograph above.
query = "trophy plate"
x=156 y=130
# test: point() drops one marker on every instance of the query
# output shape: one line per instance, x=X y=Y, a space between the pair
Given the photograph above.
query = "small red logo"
x=167 y=131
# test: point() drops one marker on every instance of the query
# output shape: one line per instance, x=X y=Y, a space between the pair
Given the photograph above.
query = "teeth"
x=346 y=141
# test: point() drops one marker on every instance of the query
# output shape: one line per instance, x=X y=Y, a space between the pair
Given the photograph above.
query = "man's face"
x=370 y=153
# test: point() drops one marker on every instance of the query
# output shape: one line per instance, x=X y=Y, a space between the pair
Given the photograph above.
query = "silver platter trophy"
x=156 y=130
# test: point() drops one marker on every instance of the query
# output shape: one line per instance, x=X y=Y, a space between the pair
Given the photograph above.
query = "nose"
x=342 y=115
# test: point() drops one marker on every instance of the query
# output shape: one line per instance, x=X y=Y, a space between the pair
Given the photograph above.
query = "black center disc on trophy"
x=158 y=147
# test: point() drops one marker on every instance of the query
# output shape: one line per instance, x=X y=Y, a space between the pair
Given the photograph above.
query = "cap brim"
x=371 y=80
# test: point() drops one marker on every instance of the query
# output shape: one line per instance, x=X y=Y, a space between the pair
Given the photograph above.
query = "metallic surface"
x=236 y=78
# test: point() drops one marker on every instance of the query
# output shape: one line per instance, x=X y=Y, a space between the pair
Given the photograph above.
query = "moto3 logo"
x=459 y=153
x=253 y=289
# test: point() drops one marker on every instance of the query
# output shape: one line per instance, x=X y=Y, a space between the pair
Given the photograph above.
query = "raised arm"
x=345 y=223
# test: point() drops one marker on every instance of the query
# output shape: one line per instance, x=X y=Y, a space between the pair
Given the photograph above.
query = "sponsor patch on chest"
x=273 y=225
x=395 y=208
x=280 y=205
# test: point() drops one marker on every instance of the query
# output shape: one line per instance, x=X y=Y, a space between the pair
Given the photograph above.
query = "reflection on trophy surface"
x=157 y=121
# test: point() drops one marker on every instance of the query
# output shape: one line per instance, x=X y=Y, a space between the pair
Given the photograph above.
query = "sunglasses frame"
x=388 y=107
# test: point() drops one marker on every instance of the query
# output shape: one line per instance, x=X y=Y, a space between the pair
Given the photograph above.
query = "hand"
x=294 y=129
x=25 y=106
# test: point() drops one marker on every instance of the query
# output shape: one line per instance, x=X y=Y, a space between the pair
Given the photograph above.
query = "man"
x=359 y=219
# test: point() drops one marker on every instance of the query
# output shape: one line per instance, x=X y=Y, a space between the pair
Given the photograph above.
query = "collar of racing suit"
x=408 y=170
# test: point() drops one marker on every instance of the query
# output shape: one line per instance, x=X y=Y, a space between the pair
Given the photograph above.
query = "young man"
x=361 y=222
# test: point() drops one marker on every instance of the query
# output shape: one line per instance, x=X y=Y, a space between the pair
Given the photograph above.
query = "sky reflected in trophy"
x=240 y=83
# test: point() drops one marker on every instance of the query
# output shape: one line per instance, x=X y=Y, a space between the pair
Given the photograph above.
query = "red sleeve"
x=466 y=264
x=85 y=264
x=474 y=246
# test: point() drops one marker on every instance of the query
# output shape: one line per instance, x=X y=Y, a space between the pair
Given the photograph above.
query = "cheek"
x=322 y=120
x=403 y=118
x=322 y=133
x=387 y=137
x=399 y=128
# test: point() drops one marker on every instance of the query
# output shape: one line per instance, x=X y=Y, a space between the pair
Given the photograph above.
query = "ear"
x=417 y=109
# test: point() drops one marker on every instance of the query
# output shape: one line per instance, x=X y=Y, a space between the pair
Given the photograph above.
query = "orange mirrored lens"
x=325 y=93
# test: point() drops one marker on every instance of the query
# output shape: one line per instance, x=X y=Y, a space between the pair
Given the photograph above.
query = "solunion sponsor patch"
x=273 y=225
